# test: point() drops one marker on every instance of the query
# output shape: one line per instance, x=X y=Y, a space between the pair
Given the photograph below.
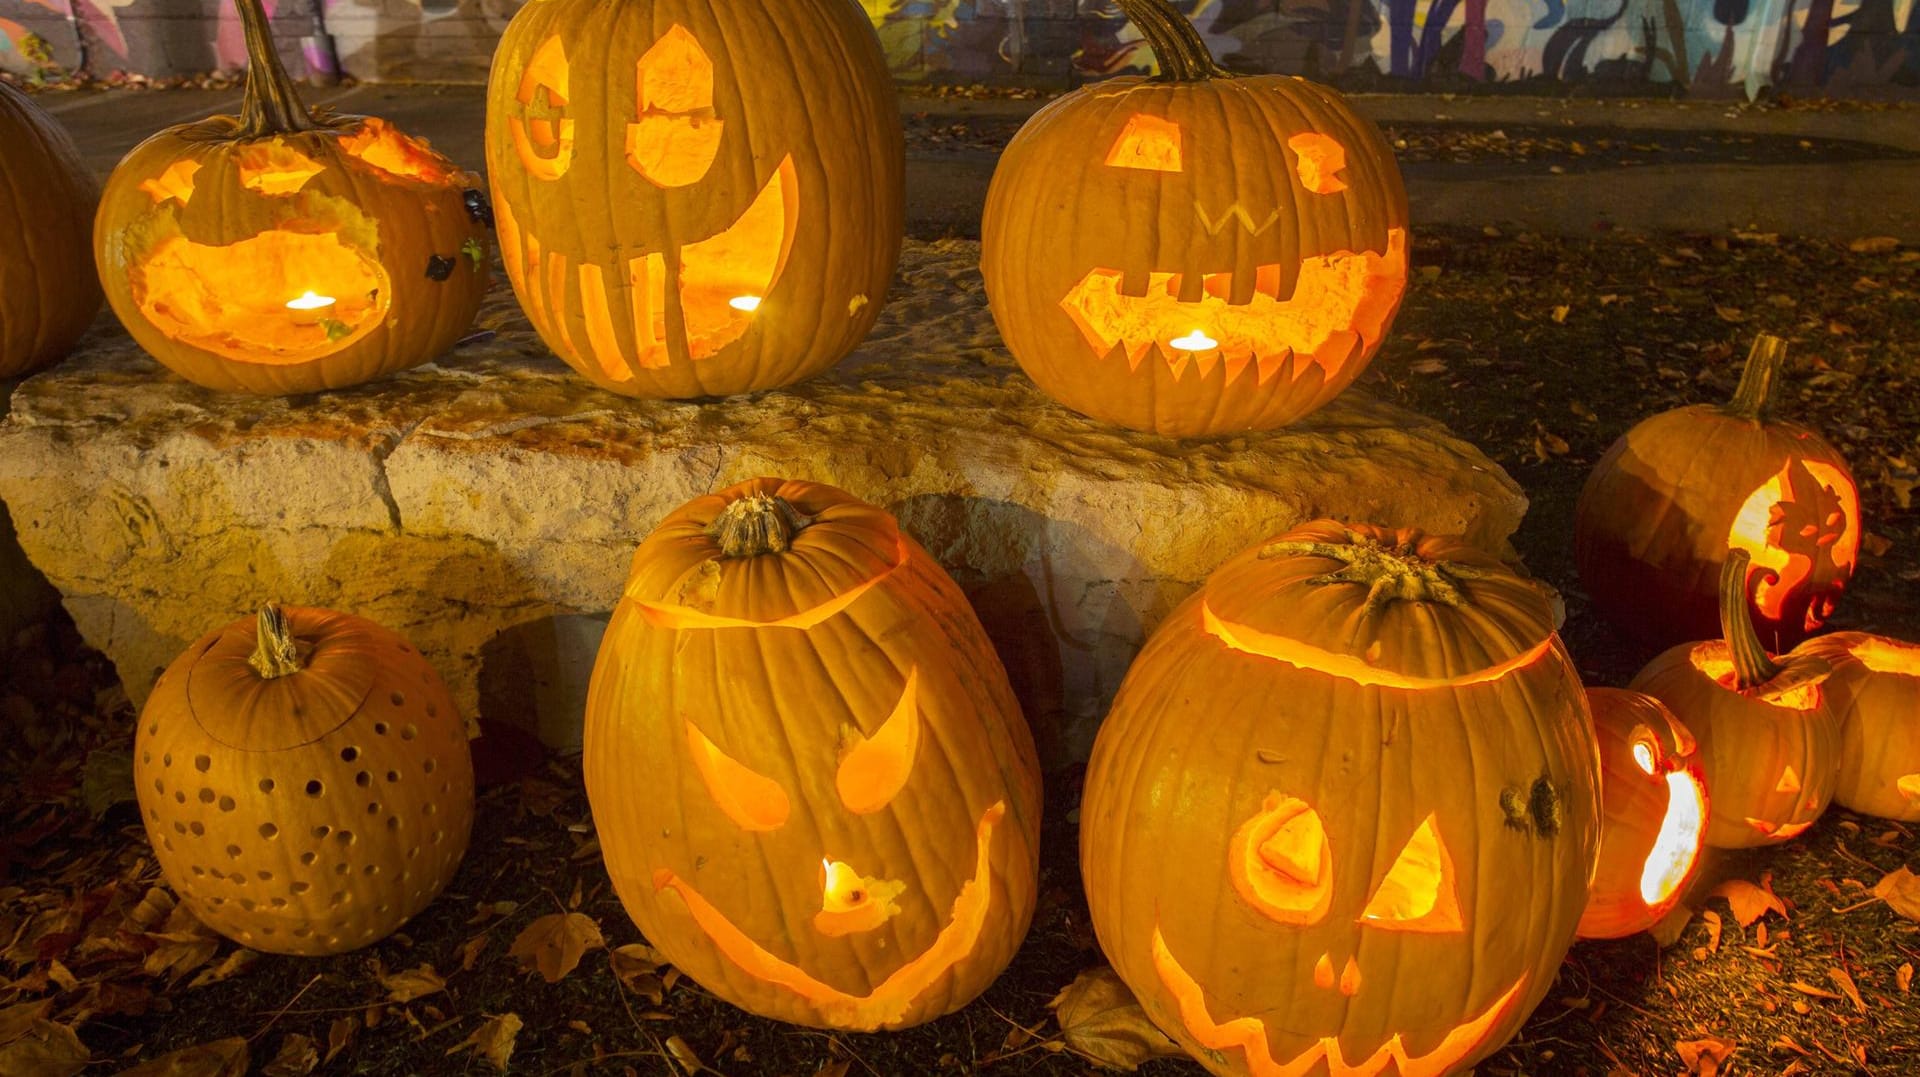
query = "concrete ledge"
x=487 y=507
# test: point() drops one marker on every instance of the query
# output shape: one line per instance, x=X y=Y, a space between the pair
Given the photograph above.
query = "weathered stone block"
x=487 y=506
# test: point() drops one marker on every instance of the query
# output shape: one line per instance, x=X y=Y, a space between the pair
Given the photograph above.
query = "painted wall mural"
x=1695 y=47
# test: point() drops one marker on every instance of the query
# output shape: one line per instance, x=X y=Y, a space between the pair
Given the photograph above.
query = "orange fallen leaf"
x=493 y=1040
x=1903 y=978
x=221 y=1058
x=298 y=1057
x=1901 y=891
x=1101 y=1021
x=1712 y=920
x=1844 y=981
x=683 y=1053
x=1704 y=1057
x=413 y=983
x=555 y=943
x=1817 y=992
x=1748 y=901
x=38 y=1046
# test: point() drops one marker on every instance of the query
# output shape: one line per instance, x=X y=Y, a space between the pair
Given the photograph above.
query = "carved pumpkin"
x=1195 y=253
x=1670 y=499
x=813 y=788
x=1654 y=799
x=48 y=291
x=287 y=252
x=1875 y=694
x=696 y=199
x=1769 y=744
x=305 y=781
x=1343 y=814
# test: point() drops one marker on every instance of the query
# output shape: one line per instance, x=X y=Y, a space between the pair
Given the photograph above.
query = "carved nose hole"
x=1348 y=982
x=1350 y=979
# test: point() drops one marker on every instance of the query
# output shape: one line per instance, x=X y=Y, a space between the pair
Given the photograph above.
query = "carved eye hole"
x=1646 y=753
x=1318 y=160
x=874 y=769
x=542 y=138
x=676 y=134
x=1147 y=142
x=753 y=801
x=1280 y=862
x=1418 y=891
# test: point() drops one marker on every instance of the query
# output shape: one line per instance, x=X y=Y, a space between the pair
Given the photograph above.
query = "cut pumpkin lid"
x=236 y=707
x=1378 y=606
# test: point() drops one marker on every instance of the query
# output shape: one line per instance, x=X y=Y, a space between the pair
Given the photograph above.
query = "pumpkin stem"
x=275 y=654
x=1183 y=55
x=1752 y=665
x=757 y=524
x=270 y=107
x=1752 y=398
x=1390 y=573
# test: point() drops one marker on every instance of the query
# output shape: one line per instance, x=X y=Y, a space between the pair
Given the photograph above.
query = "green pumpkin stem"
x=1752 y=665
x=1755 y=393
x=1183 y=55
x=275 y=653
x=271 y=107
x=757 y=524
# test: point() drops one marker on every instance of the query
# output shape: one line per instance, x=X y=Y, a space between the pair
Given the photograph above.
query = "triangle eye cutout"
x=874 y=769
x=1280 y=862
x=1147 y=142
x=1418 y=892
x=751 y=800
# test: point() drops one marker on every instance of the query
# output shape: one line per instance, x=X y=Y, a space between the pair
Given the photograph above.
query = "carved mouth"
x=887 y=1004
x=1340 y=304
x=1678 y=843
x=1249 y=1035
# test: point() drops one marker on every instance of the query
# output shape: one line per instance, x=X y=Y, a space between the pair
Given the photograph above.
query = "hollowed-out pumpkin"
x=48 y=291
x=1344 y=811
x=1680 y=490
x=283 y=252
x=1654 y=796
x=1769 y=745
x=696 y=198
x=1875 y=694
x=305 y=781
x=1195 y=253
x=813 y=788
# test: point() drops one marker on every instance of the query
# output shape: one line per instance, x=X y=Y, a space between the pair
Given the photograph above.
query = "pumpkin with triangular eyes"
x=1875 y=695
x=696 y=199
x=1654 y=794
x=1343 y=814
x=1195 y=253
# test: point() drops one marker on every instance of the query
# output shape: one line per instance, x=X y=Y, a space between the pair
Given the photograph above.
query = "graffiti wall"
x=1695 y=47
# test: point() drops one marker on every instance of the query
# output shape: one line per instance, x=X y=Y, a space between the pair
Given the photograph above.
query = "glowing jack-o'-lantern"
x=839 y=820
x=281 y=251
x=1343 y=814
x=1195 y=253
x=48 y=290
x=1653 y=791
x=1678 y=491
x=1769 y=744
x=1875 y=694
x=696 y=199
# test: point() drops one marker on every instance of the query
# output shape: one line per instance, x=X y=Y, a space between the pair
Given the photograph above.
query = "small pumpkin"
x=1769 y=745
x=1875 y=694
x=1654 y=799
x=1344 y=811
x=48 y=291
x=696 y=198
x=1679 y=491
x=1195 y=253
x=839 y=823
x=305 y=781
x=282 y=251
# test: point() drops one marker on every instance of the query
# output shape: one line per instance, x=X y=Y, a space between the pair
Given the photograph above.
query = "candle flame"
x=843 y=890
x=748 y=303
x=1195 y=341
x=310 y=301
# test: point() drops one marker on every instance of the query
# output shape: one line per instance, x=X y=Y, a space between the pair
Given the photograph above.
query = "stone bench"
x=487 y=506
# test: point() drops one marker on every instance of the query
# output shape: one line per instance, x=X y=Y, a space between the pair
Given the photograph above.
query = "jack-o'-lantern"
x=813 y=788
x=48 y=291
x=1769 y=744
x=282 y=251
x=305 y=781
x=696 y=199
x=1654 y=796
x=1195 y=253
x=1678 y=491
x=1343 y=814
x=1875 y=694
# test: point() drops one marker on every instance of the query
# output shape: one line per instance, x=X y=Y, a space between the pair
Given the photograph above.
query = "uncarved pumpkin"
x=812 y=786
x=286 y=252
x=1875 y=694
x=1343 y=814
x=305 y=781
x=48 y=291
x=696 y=198
x=1195 y=253
x=1662 y=509
x=1654 y=795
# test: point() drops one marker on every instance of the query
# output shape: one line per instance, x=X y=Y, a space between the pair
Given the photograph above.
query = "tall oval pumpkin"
x=48 y=290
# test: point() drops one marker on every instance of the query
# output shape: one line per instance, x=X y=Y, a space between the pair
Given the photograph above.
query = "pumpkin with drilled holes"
x=1874 y=692
x=1676 y=493
x=1654 y=800
x=1343 y=814
x=1769 y=744
x=282 y=251
x=48 y=291
x=696 y=198
x=1195 y=253
x=305 y=781
x=812 y=785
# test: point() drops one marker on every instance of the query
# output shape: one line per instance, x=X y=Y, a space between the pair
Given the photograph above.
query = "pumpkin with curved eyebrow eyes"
x=813 y=788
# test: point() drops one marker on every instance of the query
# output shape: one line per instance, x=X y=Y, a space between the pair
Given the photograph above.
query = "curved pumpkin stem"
x=1183 y=56
x=271 y=107
x=1752 y=665
x=275 y=654
x=757 y=524
x=1389 y=573
x=1755 y=393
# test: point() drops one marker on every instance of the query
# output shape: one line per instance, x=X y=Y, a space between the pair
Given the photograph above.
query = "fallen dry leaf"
x=1704 y=1057
x=340 y=1034
x=1903 y=978
x=1102 y=1021
x=298 y=1057
x=555 y=943
x=43 y=1048
x=1874 y=245
x=1843 y=980
x=221 y=1058
x=229 y=966
x=1712 y=920
x=493 y=1040
x=1900 y=890
x=413 y=983
x=1748 y=901
x=836 y=1067
x=682 y=1053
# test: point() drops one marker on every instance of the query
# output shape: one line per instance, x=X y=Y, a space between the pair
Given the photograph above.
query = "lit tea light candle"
x=309 y=308
x=748 y=303
x=844 y=890
x=1195 y=341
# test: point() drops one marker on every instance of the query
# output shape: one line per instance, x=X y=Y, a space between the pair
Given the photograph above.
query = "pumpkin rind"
x=1653 y=795
x=48 y=290
x=1874 y=693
